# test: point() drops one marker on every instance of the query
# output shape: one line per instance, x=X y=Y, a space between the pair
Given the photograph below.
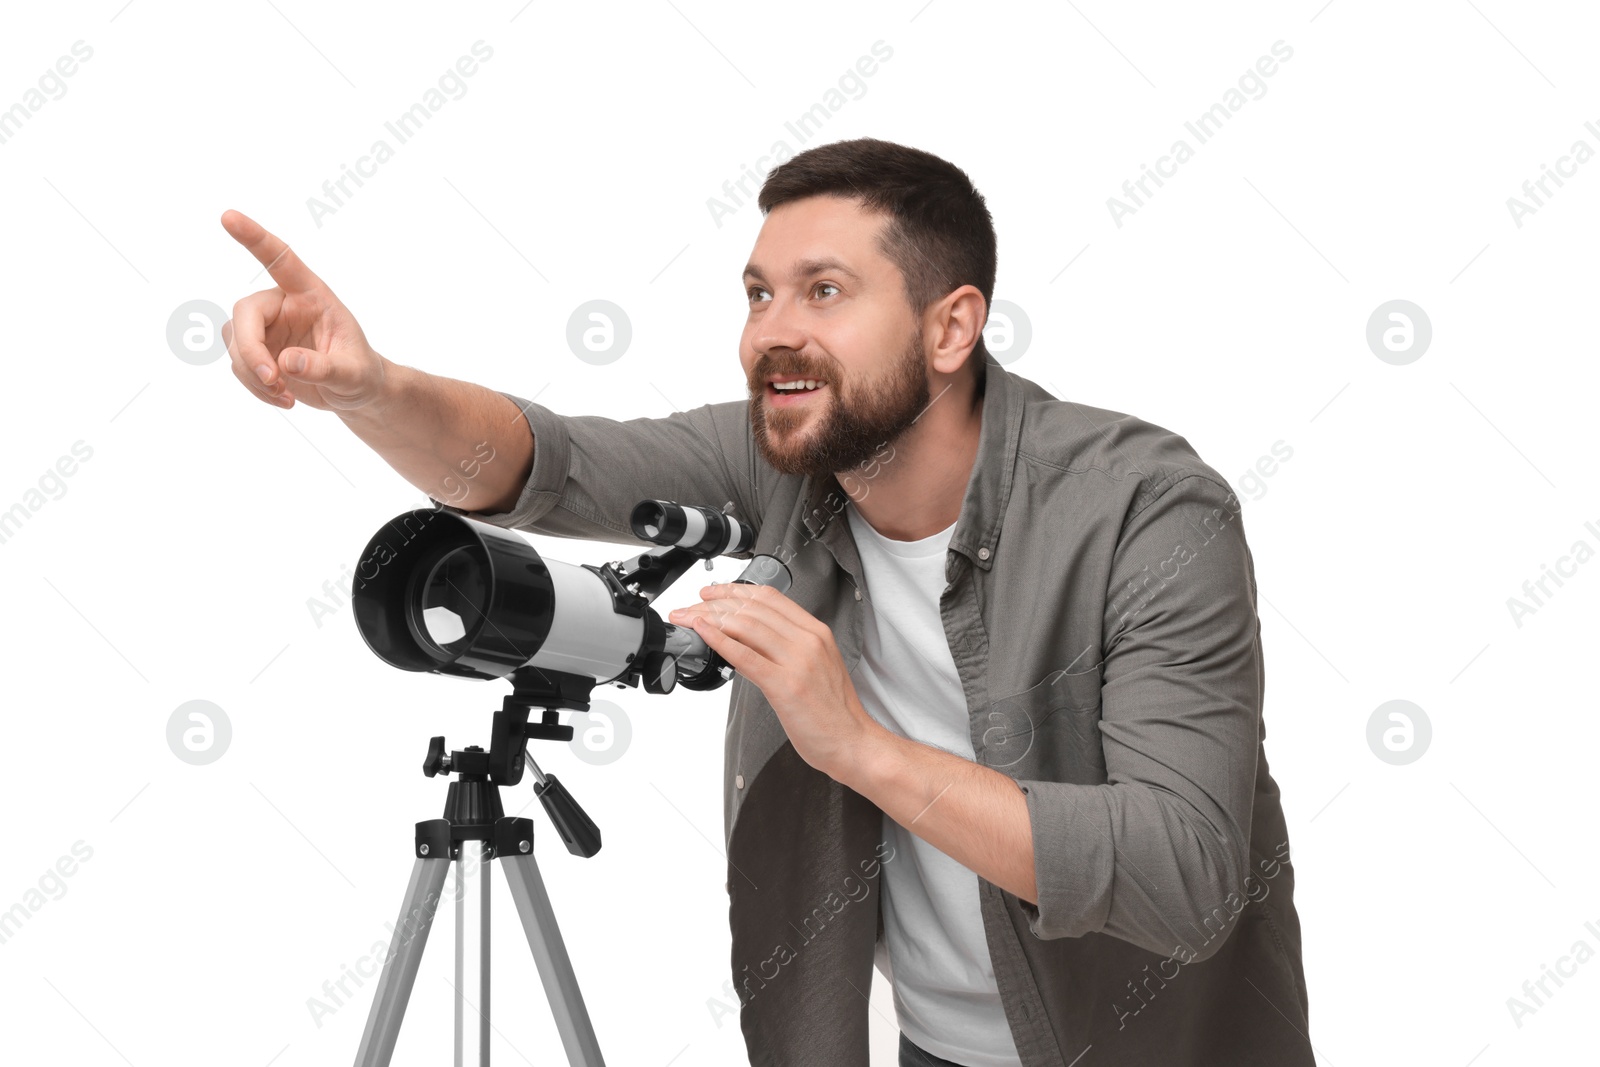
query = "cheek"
x=861 y=347
x=747 y=359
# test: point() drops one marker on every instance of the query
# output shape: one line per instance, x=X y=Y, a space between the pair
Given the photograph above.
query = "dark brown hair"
x=940 y=233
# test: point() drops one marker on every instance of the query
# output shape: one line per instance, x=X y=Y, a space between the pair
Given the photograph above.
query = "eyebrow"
x=807 y=268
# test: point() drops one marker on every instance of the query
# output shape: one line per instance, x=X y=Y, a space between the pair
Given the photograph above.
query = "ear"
x=953 y=326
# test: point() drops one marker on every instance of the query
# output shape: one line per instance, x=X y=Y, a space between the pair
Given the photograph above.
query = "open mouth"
x=783 y=394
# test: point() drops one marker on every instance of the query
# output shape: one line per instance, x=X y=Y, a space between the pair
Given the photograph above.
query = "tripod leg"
x=400 y=967
x=550 y=954
x=472 y=954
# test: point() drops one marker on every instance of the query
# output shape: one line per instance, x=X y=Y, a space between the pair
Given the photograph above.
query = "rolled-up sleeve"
x=1153 y=853
x=590 y=470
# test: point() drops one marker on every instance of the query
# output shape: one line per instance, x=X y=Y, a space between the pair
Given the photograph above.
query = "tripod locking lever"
x=578 y=831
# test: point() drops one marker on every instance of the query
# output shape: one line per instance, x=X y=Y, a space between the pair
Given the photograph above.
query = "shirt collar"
x=977 y=532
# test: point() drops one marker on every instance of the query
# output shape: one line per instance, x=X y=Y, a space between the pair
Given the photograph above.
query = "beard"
x=855 y=420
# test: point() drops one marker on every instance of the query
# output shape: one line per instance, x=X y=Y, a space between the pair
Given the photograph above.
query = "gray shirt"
x=1101 y=612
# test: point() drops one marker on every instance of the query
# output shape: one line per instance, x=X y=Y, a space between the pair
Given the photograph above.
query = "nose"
x=778 y=326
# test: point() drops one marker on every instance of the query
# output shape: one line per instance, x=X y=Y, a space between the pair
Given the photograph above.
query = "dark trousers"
x=912 y=1056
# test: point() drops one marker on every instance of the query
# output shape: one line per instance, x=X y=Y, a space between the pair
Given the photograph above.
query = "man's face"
x=826 y=305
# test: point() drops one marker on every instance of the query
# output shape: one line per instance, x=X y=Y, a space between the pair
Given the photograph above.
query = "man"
x=1003 y=735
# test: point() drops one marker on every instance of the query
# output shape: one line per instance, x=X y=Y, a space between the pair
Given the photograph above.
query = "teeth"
x=789 y=387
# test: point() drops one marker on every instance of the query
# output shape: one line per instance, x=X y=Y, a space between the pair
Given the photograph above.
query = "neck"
x=918 y=491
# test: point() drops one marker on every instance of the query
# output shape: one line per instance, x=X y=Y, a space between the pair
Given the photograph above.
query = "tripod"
x=473 y=833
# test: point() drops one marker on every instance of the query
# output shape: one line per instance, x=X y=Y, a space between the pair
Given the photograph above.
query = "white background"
x=177 y=563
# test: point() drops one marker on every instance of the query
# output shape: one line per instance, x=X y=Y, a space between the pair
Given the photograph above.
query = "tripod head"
x=473 y=804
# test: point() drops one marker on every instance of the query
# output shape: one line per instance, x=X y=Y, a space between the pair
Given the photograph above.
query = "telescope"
x=438 y=592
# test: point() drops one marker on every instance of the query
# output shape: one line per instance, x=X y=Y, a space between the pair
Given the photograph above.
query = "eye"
x=825 y=285
x=754 y=293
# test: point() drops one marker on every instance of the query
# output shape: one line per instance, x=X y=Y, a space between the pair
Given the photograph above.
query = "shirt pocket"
x=1046 y=732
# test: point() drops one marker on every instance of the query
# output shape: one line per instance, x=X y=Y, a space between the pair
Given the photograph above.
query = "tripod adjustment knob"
x=437 y=762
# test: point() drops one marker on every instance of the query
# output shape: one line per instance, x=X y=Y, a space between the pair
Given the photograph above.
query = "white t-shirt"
x=934 y=951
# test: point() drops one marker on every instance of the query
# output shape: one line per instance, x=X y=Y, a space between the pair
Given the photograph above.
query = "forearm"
x=972 y=813
x=462 y=444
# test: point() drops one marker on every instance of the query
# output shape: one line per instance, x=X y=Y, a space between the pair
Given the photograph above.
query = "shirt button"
x=858 y=594
x=983 y=553
x=738 y=781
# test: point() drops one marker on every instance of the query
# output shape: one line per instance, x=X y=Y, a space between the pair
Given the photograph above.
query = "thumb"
x=316 y=368
x=339 y=373
x=304 y=364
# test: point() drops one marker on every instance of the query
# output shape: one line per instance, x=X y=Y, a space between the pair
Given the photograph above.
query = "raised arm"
x=462 y=444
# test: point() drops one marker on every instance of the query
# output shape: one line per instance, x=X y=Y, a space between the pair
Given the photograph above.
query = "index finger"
x=286 y=269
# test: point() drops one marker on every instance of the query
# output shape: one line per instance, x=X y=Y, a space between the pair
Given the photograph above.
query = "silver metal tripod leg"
x=555 y=967
x=400 y=966
x=472 y=954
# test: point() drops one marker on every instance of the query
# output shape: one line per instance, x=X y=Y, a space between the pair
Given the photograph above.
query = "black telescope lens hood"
x=510 y=625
